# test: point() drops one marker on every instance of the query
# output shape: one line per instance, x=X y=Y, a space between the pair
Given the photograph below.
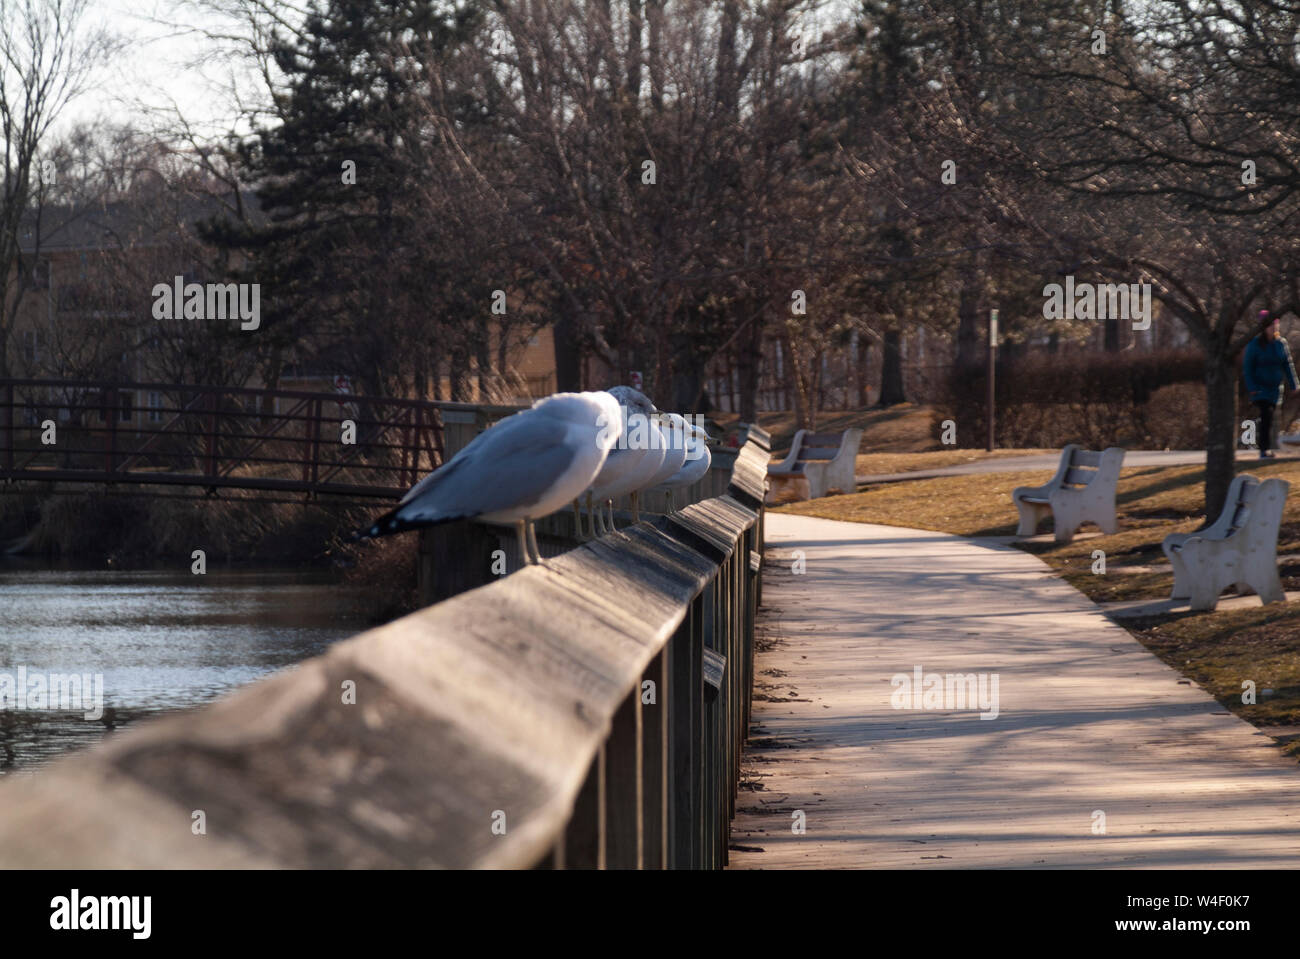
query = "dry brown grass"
x=905 y=428
x=974 y=505
x=1221 y=650
x=884 y=463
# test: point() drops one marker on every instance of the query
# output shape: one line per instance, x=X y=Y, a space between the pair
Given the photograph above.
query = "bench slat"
x=1086 y=458
x=818 y=453
x=1078 y=477
x=824 y=439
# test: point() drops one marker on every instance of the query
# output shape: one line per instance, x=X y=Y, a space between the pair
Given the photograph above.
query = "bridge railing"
x=587 y=713
x=211 y=436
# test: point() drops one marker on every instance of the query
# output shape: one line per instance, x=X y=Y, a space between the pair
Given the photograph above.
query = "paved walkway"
x=1089 y=721
x=1039 y=461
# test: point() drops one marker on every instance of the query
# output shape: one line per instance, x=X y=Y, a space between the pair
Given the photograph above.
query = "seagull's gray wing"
x=512 y=464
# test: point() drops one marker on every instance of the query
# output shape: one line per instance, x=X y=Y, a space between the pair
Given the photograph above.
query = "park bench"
x=818 y=463
x=1240 y=548
x=1083 y=490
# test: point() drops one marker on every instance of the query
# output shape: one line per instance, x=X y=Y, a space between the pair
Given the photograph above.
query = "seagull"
x=519 y=470
x=628 y=461
x=621 y=465
x=698 y=460
x=672 y=430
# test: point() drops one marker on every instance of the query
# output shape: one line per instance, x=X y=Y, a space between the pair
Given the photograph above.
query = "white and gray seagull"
x=672 y=435
x=631 y=459
x=698 y=461
x=523 y=468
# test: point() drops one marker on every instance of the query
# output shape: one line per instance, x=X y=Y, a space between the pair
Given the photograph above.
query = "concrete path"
x=1024 y=464
x=1088 y=723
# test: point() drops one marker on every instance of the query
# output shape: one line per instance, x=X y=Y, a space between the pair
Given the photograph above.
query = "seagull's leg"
x=523 y=540
x=532 y=541
x=609 y=504
x=577 y=517
x=595 y=521
x=636 y=507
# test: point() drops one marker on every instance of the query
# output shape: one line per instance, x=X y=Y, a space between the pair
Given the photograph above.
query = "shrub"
x=1134 y=400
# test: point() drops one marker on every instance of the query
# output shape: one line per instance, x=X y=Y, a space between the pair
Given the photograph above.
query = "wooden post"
x=709 y=734
x=584 y=839
x=686 y=823
x=623 y=787
x=654 y=765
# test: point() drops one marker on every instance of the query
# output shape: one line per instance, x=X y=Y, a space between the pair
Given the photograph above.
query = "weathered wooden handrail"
x=585 y=713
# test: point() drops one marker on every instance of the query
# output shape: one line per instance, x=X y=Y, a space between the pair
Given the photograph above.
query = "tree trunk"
x=487 y=380
x=459 y=376
x=687 y=375
x=970 y=336
x=891 y=375
x=1112 y=335
x=1221 y=431
x=794 y=381
x=864 y=355
x=568 y=369
x=751 y=363
x=633 y=50
x=503 y=350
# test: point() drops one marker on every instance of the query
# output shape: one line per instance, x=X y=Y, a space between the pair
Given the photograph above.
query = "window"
x=155 y=407
x=31 y=346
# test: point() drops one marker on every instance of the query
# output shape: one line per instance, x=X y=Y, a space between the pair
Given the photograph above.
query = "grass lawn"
x=1217 y=650
x=900 y=437
x=882 y=463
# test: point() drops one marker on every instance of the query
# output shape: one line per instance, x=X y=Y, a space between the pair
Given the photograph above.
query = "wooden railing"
x=587 y=713
x=227 y=437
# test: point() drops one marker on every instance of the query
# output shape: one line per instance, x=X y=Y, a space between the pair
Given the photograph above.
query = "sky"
x=171 y=65
x=164 y=67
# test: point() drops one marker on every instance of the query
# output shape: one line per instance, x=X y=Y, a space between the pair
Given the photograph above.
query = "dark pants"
x=1264 y=439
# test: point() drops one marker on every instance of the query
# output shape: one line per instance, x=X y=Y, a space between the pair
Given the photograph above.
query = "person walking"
x=1268 y=369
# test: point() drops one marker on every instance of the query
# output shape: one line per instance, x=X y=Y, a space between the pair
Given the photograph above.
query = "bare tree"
x=47 y=56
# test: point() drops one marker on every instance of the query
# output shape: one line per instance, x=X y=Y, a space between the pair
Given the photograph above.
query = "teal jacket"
x=1267 y=366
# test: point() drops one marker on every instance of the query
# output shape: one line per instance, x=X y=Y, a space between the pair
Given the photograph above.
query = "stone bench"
x=817 y=463
x=1239 y=549
x=1082 y=491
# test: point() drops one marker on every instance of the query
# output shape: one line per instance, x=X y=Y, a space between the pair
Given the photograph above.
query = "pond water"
x=160 y=640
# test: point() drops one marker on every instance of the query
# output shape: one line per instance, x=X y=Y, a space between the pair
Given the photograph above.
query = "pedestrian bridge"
x=221 y=437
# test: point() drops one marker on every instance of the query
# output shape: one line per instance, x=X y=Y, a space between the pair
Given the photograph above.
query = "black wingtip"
x=391 y=523
x=382 y=526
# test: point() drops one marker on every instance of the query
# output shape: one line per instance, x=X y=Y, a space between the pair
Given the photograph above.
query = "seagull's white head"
x=634 y=400
x=598 y=410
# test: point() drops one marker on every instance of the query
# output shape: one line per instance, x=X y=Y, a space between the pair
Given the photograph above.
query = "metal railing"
x=215 y=436
x=586 y=713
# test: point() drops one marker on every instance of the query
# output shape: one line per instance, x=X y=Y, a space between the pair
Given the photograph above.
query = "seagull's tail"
x=393 y=522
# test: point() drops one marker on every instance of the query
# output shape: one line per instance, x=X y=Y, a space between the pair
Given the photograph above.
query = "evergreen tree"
x=345 y=258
